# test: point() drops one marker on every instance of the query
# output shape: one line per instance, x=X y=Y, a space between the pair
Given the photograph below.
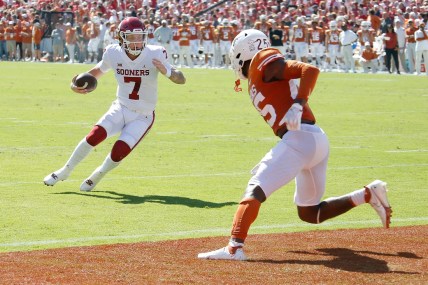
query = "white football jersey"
x=137 y=87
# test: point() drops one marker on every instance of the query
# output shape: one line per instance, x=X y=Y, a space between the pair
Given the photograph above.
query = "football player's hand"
x=80 y=90
x=159 y=65
x=293 y=117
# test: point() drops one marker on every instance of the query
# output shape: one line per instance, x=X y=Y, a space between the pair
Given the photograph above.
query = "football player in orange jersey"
x=175 y=42
x=332 y=44
x=184 y=35
x=207 y=35
x=300 y=39
x=225 y=32
x=302 y=152
x=368 y=58
x=365 y=34
x=194 y=39
x=316 y=40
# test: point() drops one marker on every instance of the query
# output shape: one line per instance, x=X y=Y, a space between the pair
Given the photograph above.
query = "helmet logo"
x=251 y=45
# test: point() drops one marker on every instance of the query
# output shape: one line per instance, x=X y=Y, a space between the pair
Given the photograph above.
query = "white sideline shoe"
x=379 y=201
x=54 y=177
x=92 y=181
x=223 y=254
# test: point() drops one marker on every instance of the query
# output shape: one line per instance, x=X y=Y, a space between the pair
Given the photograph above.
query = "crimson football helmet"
x=132 y=35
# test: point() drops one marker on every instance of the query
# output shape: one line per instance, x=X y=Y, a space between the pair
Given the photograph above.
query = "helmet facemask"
x=134 y=42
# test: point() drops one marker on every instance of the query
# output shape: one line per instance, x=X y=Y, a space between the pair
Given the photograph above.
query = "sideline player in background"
x=132 y=114
x=302 y=153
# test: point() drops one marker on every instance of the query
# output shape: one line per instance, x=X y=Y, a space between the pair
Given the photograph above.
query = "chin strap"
x=237 y=84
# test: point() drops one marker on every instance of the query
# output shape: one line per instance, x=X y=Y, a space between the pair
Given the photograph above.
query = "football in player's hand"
x=86 y=81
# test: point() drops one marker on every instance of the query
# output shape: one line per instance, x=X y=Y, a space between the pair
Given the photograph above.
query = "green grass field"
x=186 y=177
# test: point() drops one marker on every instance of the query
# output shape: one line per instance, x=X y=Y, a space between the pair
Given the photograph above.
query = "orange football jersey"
x=273 y=99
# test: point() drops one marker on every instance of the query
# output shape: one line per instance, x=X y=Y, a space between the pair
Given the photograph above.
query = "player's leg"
x=374 y=193
x=109 y=124
x=310 y=187
x=83 y=148
x=133 y=132
x=277 y=168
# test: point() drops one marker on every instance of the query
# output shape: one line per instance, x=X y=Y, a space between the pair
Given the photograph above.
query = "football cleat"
x=379 y=201
x=54 y=177
x=223 y=254
x=92 y=181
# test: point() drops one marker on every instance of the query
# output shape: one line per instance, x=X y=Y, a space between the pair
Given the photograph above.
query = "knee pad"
x=96 y=136
x=120 y=150
x=256 y=192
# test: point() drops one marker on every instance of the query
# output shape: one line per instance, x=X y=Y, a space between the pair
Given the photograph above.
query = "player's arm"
x=290 y=69
x=172 y=73
x=96 y=72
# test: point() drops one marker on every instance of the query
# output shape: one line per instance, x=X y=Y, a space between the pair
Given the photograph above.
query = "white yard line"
x=247 y=173
x=408 y=150
x=190 y=233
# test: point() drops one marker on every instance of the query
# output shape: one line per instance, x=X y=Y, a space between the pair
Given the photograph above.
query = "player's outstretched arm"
x=173 y=74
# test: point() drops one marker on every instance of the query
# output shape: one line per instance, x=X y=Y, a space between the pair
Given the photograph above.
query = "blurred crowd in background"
x=345 y=36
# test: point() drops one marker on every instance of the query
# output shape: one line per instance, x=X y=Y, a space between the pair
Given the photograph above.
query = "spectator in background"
x=421 y=38
x=3 y=50
x=93 y=34
x=46 y=43
x=10 y=41
x=58 y=43
x=411 y=45
x=36 y=39
x=276 y=37
x=18 y=40
x=391 y=48
x=401 y=37
x=26 y=41
x=150 y=32
x=374 y=20
x=103 y=29
x=70 y=41
x=163 y=35
x=110 y=35
x=385 y=23
x=347 y=38
x=85 y=37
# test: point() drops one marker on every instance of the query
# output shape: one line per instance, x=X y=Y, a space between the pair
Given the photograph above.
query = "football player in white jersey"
x=136 y=67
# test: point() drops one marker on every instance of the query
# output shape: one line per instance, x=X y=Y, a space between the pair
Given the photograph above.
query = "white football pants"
x=302 y=155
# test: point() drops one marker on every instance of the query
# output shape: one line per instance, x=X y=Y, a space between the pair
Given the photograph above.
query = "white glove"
x=293 y=117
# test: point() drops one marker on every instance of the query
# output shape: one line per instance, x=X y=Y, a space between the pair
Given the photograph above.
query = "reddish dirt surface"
x=363 y=256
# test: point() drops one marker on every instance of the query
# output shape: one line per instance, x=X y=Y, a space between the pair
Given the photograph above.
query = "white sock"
x=233 y=243
x=103 y=169
x=358 y=197
x=80 y=152
x=108 y=165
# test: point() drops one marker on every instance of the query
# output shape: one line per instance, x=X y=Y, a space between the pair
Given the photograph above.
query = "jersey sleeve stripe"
x=268 y=60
